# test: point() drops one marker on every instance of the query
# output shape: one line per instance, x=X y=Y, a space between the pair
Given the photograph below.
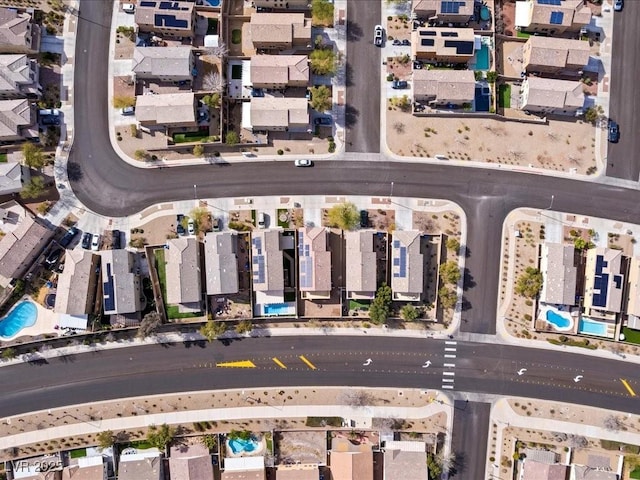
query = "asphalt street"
x=362 y=119
x=338 y=361
x=622 y=161
x=470 y=431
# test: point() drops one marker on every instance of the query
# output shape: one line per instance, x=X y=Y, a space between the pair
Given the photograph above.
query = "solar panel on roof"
x=427 y=33
x=550 y=2
x=147 y=4
x=403 y=262
x=462 y=47
x=556 y=18
x=451 y=7
x=108 y=291
x=396 y=244
x=169 y=21
x=449 y=34
x=427 y=42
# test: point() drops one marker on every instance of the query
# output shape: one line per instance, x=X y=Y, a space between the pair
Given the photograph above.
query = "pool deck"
x=45 y=323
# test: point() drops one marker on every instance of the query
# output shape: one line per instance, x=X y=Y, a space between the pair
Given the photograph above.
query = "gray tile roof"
x=272 y=112
x=79 y=274
x=408 y=280
x=270 y=250
x=19 y=248
x=166 y=109
x=560 y=274
x=442 y=85
x=15 y=115
x=149 y=468
x=183 y=270
x=16 y=72
x=117 y=275
x=10 y=177
x=545 y=93
x=221 y=263
x=14 y=28
x=162 y=61
x=361 y=262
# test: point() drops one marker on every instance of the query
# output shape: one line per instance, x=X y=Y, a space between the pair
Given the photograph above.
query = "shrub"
x=133 y=129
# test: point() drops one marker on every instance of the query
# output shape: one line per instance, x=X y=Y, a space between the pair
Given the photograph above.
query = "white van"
x=261 y=223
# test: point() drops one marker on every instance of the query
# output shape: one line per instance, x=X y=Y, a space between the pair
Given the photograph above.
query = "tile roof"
x=408 y=263
x=351 y=465
x=297 y=472
x=140 y=466
x=552 y=93
x=78 y=276
x=279 y=69
x=221 y=263
x=118 y=277
x=456 y=85
x=557 y=52
x=167 y=108
x=604 y=280
x=286 y=28
x=533 y=470
x=191 y=468
x=443 y=42
x=560 y=274
x=582 y=472
x=266 y=244
x=14 y=27
x=153 y=14
x=273 y=112
x=183 y=270
x=87 y=468
x=15 y=74
x=10 y=177
x=162 y=61
x=574 y=12
x=399 y=461
x=19 y=248
x=434 y=7
x=315 y=273
x=15 y=114
x=360 y=262
x=633 y=306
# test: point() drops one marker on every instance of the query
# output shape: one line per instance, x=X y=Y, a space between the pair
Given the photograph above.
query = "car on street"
x=614 y=132
x=68 y=237
x=128 y=111
x=406 y=42
x=53 y=257
x=261 y=221
x=191 y=227
x=303 y=162
x=95 y=242
x=86 y=240
x=128 y=7
x=115 y=240
x=378 y=35
x=179 y=227
x=216 y=224
x=322 y=121
x=396 y=42
x=364 y=218
x=399 y=84
x=618 y=5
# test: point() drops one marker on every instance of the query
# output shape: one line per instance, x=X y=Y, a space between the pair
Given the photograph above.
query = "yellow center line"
x=279 y=363
x=309 y=364
x=628 y=387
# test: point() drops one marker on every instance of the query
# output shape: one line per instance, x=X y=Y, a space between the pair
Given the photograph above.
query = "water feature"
x=22 y=316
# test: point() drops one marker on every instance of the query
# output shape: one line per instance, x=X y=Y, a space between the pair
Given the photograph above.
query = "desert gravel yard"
x=567 y=146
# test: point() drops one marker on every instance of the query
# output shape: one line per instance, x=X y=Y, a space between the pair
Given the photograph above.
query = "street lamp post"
x=391 y=193
x=195 y=191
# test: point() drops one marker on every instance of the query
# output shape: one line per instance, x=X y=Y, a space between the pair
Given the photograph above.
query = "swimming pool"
x=592 y=328
x=559 y=321
x=212 y=3
x=482 y=58
x=22 y=316
x=277 y=309
x=238 y=445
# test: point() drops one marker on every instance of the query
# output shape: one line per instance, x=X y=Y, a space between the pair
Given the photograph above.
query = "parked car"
x=618 y=5
x=303 y=162
x=179 y=227
x=378 y=35
x=86 y=240
x=191 y=227
x=417 y=65
x=53 y=257
x=364 y=218
x=95 y=242
x=399 y=84
x=128 y=111
x=614 y=132
x=406 y=42
x=128 y=7
x=216 y=224
x=115 y=240
x=322 y=121
x=68 y=237
x=261 y=221
x=396 y=42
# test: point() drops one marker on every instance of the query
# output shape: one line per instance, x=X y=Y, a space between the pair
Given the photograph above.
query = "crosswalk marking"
x=449 y=365
x=450 y=374
x=448 y=355
x=450 y=343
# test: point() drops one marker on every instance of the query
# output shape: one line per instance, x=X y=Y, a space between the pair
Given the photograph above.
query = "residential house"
x=557 y=262
x=162 y=18
x=221 y=263
x=314 y=262
x=556 y=56
x=585 y=472
x=448 y=45
x=121 y=286
x=554 y=17
x=401 y=457
x=86 y=468
x=290 y=5
x=633 y=301
x=78 y=283
x=551 y=96
x=442 y=88
x=243 y=468
x=168 y=110
x=444 y=11
x=299 y=471
x=19 y=77
x=18 y=32
x=165 y=64
x=361 y=267
x=533 y=470
x=190 y=463
x=352 y=465
x=280 y=31
x=145 y=465
x=279 y=114
x=17 y=120
x=21 y=247
x=183 y=273
x=34 y=474
x=407 y=282
x=279 y=71
x=11 y=177
x=604 y=283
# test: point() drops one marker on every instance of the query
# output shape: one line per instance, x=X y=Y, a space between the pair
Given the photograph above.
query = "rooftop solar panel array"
x=258 y=261
x=550 y=2
x=427 y=42
x=306 y=263
x=449 y=34
x=172 y=6
x=600 y=283
x=169 y=21
x=108 y=291
x=462 y=47
x=400 y=263
x=556 y=18
x=451 y=7
x=427 y=33
x=147 y=4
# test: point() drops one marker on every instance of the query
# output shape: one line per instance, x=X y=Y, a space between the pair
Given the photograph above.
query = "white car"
x=128 y=111
x=128 y=7
x=303 y=162
x=95 y=242
x=378 y=35
x=191 y=227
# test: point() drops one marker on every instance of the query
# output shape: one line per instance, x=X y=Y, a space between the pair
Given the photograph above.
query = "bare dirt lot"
x=567 y=144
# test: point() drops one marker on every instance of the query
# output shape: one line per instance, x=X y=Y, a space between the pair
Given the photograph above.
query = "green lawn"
x=78 y=453
x=504 y=95
x=162 y=271
x=631 y=335
x=520 y=34
x=173 y=312
x=283 y=224
x=236 y=36
x=3 y=158
x=354 y=304
x=635 y=474
x=190 y=137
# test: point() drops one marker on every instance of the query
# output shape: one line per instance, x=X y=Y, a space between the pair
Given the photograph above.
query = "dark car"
x=406 y=42
x=322 y=121
x=53 y=257
x=216 y=224
x=399 y=84
x=618 y=5
x=396 y=42
x=115 y=240
x=68 y=237
x=364 y=218
x=86 y=240
x=614 y=132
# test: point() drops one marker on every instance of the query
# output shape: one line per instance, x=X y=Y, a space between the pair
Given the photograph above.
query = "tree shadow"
x=354 y=31
x=469 y=281
x=74 y=171
x=458 y=465
x=351 y=115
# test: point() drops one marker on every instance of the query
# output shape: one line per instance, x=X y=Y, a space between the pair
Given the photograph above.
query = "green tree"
x=212 y=330
x=149 y=324
x=141 y=155
x=198 y=150
x=322 y=13
x=105 y=439
x=245 y=326
x=529 y=283
x=379 y=309
x=592 y=114
x=435 y=470
x=321 y=100
x=33 y=189
x=409 y=313
x=210 y=441
x=33 y=157
x=453 y=244
x=161 y=437
x=447 y=297
x=323 y=61
x=450 y=272
x=492 y=76
x=212 y=101
x=582 y=244
x=343 y=215
x=241 y=434
x=232 y=138
x=122 y=101
x=9 y=353
x=200 y=217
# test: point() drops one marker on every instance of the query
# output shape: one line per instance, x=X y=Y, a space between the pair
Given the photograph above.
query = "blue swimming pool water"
x=276 y=309
x=212 y=3
x=592 y=328
x=22 y=316
x=557 y=320
x=482 y=58
x=239 y=445
x=483 y=100
x=485 y=13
